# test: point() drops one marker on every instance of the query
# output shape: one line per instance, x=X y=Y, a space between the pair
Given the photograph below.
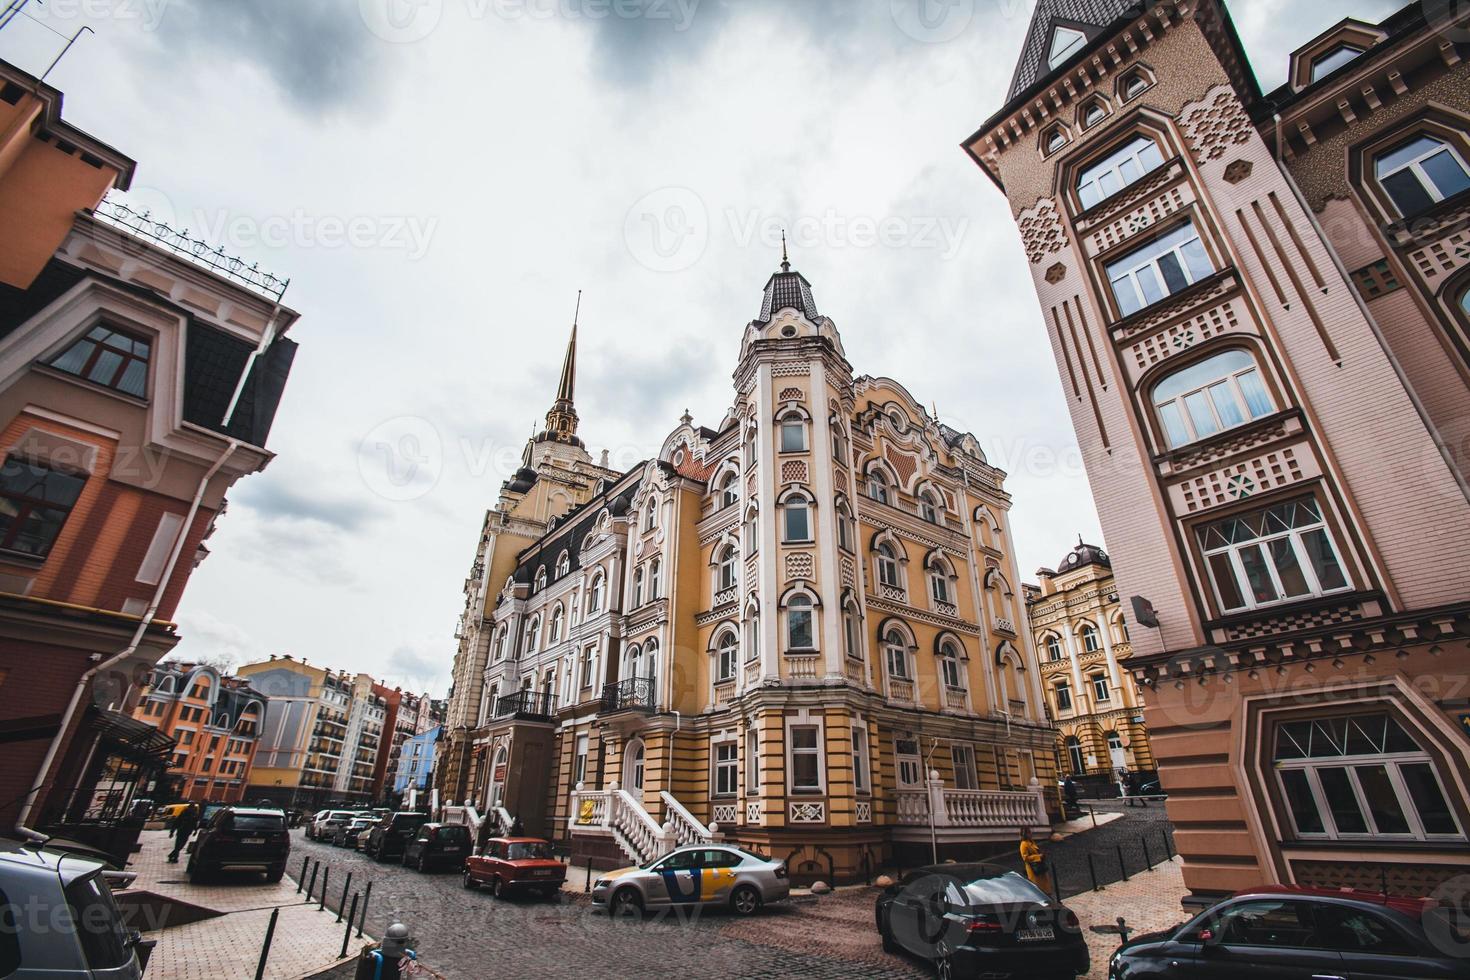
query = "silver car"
x=695 y=876
x=60 y=919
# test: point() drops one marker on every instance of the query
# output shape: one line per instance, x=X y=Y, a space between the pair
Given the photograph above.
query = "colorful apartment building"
x=214 y=721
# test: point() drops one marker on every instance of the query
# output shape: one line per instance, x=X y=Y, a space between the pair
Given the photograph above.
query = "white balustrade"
x=687 y=830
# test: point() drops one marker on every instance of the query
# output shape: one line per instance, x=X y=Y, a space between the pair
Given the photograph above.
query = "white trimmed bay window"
x=1124 y=166
x=1210 y=396
x=1277 y=554
x=1167 y=265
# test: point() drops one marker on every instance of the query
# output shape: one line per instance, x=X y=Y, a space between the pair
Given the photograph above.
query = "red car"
x=512 y=864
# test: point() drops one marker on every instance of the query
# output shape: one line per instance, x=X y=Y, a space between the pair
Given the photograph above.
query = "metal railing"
x=635 y=693
x=526 y=703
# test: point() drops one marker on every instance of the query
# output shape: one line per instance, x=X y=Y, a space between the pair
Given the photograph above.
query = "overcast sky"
x=438 y=178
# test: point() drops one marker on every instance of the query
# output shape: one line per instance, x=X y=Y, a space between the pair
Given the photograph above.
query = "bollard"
x=343 y=904
x=315 y=867
x=588 y=887
x=1168 y=844
x=1148 y=859
x=326 y=877
x=301 y=880
x=1122 y=868
x=265 y=947
x=1122 y=929
x=347 y=933
x=1092 y=868
x=362 y=920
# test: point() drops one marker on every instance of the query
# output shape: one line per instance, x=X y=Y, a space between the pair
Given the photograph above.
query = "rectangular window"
x=1100 y=690
x=110 y=358
x=906 y=760
x=752 y=762
x=793 y=436
x=34 y=505
x=1166 y=265
x=798 y=521
x=860 y=758
x=726 y=768
x=1265 y=557
x=579 y=773
x=588 y=656
x=1117 y=170
x=1064 y=697
x=964 y=767
x=806 y=759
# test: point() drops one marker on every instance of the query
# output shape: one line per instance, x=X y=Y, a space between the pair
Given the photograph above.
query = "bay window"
x=1420 y=173
x=1210 y=396
x=1124 y=166
x=1273 y=555
x=1167 y=265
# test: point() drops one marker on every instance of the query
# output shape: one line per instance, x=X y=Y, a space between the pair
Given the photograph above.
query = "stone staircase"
x=617 y=815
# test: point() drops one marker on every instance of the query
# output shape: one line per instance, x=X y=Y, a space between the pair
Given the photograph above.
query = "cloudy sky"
x=440 y=177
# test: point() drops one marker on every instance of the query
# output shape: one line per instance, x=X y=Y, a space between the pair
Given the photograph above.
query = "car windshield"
x=362 y=822
x=1007 y=889
x=342 y=815
x=259 y=821
x=409 y=821
x=98 y=924
x=454 y=834
x=529 y=850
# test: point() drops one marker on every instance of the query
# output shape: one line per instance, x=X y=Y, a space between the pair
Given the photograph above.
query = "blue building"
x=416 y=762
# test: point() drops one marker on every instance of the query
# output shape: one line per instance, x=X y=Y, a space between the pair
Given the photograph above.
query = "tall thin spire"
x=561 y=421
x=568 y=383
x=785 y=259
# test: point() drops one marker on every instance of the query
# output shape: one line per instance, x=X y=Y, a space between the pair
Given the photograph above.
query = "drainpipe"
x=1398 y=368
x=86 y=679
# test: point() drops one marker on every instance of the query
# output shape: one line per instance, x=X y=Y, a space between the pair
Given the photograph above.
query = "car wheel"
x=886 y=935
x=274 y=874
x=379 y=857
x=627 y=904
x=745 y=900
x=469 y=881
x=497 y=887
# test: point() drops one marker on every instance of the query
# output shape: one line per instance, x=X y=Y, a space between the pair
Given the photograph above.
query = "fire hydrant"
x=386 y=962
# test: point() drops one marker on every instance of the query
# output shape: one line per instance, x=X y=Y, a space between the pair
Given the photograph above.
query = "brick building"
x=214 y=721
x=140 y=373
x=1257 y=304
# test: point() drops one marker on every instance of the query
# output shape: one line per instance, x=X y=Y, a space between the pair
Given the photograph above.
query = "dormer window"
x=1054 y=140
x=1065 y=42
x=1133 y=85
x=110 y=358
x=1326 y=64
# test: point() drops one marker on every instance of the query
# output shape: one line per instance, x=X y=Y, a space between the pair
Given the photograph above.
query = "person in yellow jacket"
x=1037 y=867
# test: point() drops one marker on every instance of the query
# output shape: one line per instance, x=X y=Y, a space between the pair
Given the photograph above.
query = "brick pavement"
x=1148 y=901
x=228 y=945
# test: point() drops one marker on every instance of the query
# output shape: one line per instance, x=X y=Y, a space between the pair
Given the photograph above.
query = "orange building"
x=214 y=722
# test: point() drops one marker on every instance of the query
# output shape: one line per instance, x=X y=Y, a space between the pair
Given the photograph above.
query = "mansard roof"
x=617 y=498
x=787 y=290
x=1091 y=17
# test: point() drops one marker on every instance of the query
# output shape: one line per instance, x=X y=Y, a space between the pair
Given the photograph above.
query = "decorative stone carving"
x=1041 y=230
x=1214 y=123
x=1056 y=273
x=799 y=564
x=792 y=395
x=1238 y=170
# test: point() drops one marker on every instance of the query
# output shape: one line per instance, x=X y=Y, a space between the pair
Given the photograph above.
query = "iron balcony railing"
x=635 y=693
x=526 y=704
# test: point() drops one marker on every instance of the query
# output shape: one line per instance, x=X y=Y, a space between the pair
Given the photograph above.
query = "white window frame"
x=728 y=768
x=1101 y=693
x=727 y=572
x=896 y=654
x=966 y=776
x=809 y=605
x=1416 y=166
x=1131 y=268
x=1228 y=378
x=805 y=505
x=727 y=656
x=908 y=764
x=730 y=490
x=860 y=766
x=886 y=566
x=792 y=422
x=1232 y=552
x=1133 y=150
x=792 y=724
x=752 y=761
x=1350 y=764
x=1065 y=42
x=877 y=487
x=951 y=668
x=939 y=585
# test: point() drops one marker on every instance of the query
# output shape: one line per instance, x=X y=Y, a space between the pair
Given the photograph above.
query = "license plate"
x=542 y=873
x=1035 y=935
x=253 y=840
x=452 y=850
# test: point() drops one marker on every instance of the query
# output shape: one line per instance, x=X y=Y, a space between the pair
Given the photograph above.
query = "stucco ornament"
x=1041 y=230
x=1215 y=123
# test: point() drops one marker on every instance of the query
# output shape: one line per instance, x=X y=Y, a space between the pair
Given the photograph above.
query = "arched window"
x=594 y=595
x=558 y=620
x=650 y=669
x=633 y=766
x=1133 y=84
x=533 y=635
x=1420 y=173
x=931 y=508
x=563 y=564
x=800 y=623
x=939 y=589
x=650 y=515
x=797 y=519
x=730 y=490
x=1210 y=396
x=633 y=662
x=896 y=655
x=638 y=587
x=949 y=666
x=793 y=433
x=1093 y=113
x=1120 y=629
x=654 y=586
x=839 y=442
x=886 y=562
x=540 y=579
x=1074 y=755
x=726 y=656
x=726 y=576
x=1091 y=639
x=878 y=486
x=752 y=637
x=502 y=643
x=1054 y=647
x=1124 y=166
x=852 y=631
x=1054 y=140
x=845 y=530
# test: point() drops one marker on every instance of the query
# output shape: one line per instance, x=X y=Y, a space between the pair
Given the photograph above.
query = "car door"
x=415 y=845
x=1375 y=948
x=718 y=874
x=676 y=879
x=916 y=918
x=1265 y=939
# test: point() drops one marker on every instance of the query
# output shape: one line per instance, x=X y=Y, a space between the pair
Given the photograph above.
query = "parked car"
x=327 y=822
x=36 y=878
x=348 y=833
x=438 y=845
x=980 y=920
x=311 y=823
x=515 y=864
x=1292 y=931
x=388 y=836
x=241 y=837
x=169 y=811
x=702 y=874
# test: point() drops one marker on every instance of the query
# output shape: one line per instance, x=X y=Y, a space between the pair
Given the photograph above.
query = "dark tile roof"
x=19 y=305
x=543 y=553
x=213 y=361
x=788 y=290
x=1090 y=17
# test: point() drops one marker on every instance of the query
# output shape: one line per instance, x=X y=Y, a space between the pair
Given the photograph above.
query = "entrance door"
x=1116 y=752
x=633 y=766
x=909 y=763
x=497 y=778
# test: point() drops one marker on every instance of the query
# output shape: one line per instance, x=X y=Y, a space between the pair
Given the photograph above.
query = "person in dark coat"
x=517 y=829
x=184 y=826
x=1069 y=790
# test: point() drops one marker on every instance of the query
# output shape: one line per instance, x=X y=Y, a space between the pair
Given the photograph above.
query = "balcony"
x=528 y=705
x=633 y=694
x=968 y=810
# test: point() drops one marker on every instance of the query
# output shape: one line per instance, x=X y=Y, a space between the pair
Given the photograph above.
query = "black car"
x=388 y=836
x=241 y=837
x=975 y=920
x=346 y=834
x=1290 y=931
x=438 y=845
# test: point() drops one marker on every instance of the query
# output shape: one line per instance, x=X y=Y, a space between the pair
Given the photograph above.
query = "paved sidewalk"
x=228 y=944
x=1147 y=901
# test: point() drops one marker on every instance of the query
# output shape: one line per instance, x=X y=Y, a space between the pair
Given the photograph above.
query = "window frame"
x=884 y=558
x=802 y=604
x=1130 y=149
x=1231 y=379
x=1415 y=166
x=1132 y=267
x=804 y=504
x=861 y=782
x=727 y=647
x=818 y=751
x=896 y=653
x=100 y=346
x=727 y=768
x=792 y=421
x=1063 y=692
x=951 y=667
x=1234 y=551
x=28 y=504
x=962 y=758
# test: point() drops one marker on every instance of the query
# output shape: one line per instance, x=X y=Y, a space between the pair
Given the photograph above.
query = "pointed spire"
x=785 y=259
x=561 y=421
x=568 y=384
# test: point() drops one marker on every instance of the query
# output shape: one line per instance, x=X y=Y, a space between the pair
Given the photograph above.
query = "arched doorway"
x=497 y=778
x=1074 y=755
x=633 y=766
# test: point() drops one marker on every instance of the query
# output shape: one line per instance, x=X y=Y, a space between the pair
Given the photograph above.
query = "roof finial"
x=1079 y=540
x=785 y=260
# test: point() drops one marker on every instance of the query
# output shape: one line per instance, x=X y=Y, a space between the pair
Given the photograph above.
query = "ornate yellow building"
x=796 y=630
x=1082 y=645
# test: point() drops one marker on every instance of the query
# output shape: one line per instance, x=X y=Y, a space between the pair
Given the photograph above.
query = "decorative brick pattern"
x=1215 y=124
x=1242 y=480
x=1238 y=171
x=839 y=481
x=1139 y=219
x=794 y=471
x=1420 y=878
x=800 y=564
x=752 y=814
x=1246 y=438
x=903 y=464
x=790 y=369
x=792 y=395
x=1184 y=335
x=1041 y=231
x=849 y=573
x=1290 y=622
x=1376 y=279
x=1164 y=312
x=1443 y=257
x=1128 y=197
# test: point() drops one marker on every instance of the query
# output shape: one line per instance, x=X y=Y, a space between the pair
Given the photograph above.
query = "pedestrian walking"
x=1069 y=790
x=1038 y=868
x=184 y=826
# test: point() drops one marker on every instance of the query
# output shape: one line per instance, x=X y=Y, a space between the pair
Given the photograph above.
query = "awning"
x=132 y=738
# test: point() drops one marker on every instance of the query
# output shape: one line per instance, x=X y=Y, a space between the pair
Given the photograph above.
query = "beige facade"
x=800 y=626
x=1082 y=648
x=1271 y=406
